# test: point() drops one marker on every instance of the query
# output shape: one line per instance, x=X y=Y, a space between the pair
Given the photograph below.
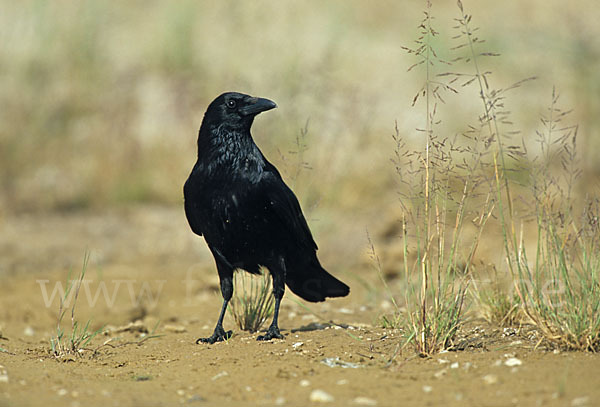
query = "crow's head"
x=236 y=110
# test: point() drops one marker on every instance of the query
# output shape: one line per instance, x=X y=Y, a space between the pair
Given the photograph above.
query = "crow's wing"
x=284 y=205
x=191 y=212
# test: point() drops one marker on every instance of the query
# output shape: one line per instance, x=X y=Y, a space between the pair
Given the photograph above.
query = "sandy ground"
x=149 y=276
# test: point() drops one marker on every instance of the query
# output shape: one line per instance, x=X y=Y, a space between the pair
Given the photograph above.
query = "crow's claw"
x=219 y=335
x=272 y=332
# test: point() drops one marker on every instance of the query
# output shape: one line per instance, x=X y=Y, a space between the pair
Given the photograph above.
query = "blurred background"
x=100 y=102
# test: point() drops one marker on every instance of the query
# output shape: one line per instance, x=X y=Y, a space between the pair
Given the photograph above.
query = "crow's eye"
x=231 y=103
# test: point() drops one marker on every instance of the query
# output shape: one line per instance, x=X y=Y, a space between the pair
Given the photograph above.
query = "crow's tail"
x=313 y=283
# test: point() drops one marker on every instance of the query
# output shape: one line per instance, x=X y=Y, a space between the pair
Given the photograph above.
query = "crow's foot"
x=272 y=332
x=219 y=335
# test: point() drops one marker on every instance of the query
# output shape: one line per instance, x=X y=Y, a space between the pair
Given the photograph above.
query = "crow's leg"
x=278 y=274
x=226 y=278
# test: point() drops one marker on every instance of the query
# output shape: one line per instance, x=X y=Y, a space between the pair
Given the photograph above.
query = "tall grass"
x=489 y=170
x=495 y=129
x=559 y=289
x=436 y=198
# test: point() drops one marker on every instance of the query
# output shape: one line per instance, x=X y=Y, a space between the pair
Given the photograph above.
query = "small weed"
x=64 y=344
x=253 y=301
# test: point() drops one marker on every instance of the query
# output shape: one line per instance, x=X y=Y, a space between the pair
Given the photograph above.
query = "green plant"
x=253 y=301
x=561 y=294
x=441 y=191
x=560 y=291
x=75 y=343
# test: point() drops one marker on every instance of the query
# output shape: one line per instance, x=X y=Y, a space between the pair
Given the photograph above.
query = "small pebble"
x=427 y=389
x=364 y=401
x=195 y=398
x=320 y=396
x=342 y=382
x=62 y=392
x=3 y=375
x=513 y=362
x=219 y=375
x=454 y=365
x=297 y=345
x=279 y=401
x=580 y=401
x=178 y=329
x=28 y=331
x=490 y=379
x=440 y=374
x=509 y=332
x=304 y=383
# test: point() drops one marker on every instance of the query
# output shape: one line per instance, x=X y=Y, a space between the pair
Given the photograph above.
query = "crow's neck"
x=230 y=150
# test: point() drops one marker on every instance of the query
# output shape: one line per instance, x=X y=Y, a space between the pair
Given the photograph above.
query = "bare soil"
x=159 y=280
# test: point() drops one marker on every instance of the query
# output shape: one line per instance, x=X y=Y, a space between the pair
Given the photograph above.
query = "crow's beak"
x=256 y=105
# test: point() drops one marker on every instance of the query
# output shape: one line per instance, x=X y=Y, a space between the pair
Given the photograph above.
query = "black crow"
x=248 y=216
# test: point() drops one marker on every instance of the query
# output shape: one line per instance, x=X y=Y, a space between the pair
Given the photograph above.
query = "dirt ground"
x=152 y=290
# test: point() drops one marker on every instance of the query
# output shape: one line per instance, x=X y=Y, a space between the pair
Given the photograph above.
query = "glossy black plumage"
x=248 y=216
